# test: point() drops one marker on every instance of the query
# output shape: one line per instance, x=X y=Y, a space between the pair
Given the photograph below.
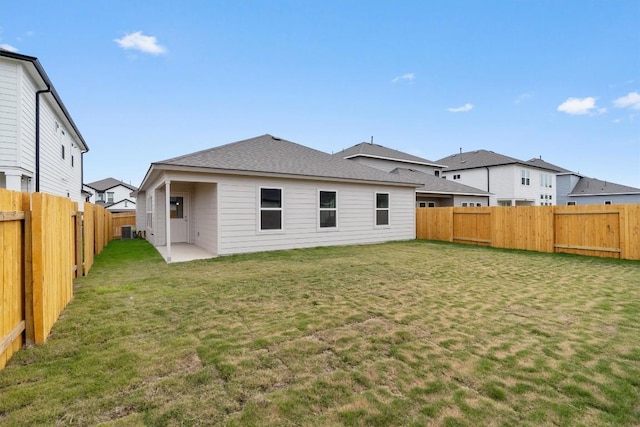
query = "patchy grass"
x=411 y=333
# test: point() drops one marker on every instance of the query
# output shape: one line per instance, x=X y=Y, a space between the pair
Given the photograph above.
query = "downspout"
x=38 y=93
x=488 y=186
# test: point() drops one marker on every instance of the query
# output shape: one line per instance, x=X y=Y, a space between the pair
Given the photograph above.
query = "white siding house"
x=41 y=148
x=433 y=191
x=267 y=193
x=112 y=194
x=512 y=182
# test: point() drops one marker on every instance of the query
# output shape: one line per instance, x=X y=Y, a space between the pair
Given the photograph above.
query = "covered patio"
x=183 y=252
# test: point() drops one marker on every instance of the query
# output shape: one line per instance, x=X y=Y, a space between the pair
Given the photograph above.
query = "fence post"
x=78 y=234
x=28 y=270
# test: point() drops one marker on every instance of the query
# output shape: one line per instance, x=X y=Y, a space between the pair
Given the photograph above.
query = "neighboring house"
x=513 y=182
x=591 y=191
x=266 y=193
x=575 y=189
x=434 y=191
x=41 y=148
x=112 y=194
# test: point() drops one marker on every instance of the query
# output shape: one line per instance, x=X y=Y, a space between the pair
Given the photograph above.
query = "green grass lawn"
x=410 y=333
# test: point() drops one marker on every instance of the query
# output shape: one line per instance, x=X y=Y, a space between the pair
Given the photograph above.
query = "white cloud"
x=138 y=41
x=523 y=97
x=579 y=106
x=631 y=100
x=466 y=107
x=8 y=47
x=404 y=77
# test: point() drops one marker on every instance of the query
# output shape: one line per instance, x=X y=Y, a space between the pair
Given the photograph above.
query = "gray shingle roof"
x=107 y=183
x=592 y=186
x=476 y=159
x=546 y=165
x=272 y=155
x=434 y=184
x=366 y=149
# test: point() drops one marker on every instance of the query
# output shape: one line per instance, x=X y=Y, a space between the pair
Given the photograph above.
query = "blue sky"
x=145 y=81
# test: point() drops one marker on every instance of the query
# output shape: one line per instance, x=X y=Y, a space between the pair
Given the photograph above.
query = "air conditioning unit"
x=127 y=232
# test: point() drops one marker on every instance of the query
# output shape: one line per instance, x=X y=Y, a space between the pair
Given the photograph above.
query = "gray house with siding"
x=434 y=191
x=575 y=189
x=267 y=193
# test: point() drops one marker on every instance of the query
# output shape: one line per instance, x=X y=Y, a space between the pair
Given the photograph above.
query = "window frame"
x=260 y=209
x=149 y=212
x=525 y=177
x=320 y=209
x=111 y=196
x=377 y=209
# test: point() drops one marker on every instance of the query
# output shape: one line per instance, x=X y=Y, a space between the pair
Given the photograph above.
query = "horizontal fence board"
x=11 y=216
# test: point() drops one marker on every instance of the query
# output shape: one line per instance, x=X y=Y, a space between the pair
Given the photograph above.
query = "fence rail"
x=45 y=241
x=603 y=231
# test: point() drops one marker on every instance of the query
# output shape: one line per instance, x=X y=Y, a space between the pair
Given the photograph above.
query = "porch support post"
x=168 y=218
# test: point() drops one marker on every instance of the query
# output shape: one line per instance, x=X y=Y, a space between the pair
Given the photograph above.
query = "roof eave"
x=169 y=167
x=45 y=78
x=395 y=160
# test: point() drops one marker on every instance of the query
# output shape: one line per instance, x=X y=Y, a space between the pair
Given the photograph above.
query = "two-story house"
x=113 y=194
x=513 y=182
x=434 y=191
x=41 y=148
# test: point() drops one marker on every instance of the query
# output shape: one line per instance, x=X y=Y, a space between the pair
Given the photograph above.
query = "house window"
x=571 y=203
x=545 y=180
x=422 y=204
x=71 y=161
x=525 y=177
x=456 y=176
x=62 y=152
x=607 y=202
x=270 y=209
x=328 y=209
x=382 y=208
x=149 y=212
x=431 y=204
x=176 y=207
x=109 y=196
x=464 y=204
x=436 y=173
x=100 y=196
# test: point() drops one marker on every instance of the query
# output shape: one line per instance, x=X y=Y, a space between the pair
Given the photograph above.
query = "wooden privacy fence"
x=44 y=243
x=604 y=231
x=122 y=219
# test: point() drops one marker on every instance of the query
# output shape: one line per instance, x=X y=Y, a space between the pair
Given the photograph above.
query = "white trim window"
x=382 y=209
x=270 y=208
x=110 y=195
x=545 y=180
x=607 y=202
x=571 y=203
x=149 y=209
x=328 y=209
x=525 y=177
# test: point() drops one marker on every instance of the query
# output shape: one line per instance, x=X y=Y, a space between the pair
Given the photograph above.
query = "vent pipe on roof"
x=38 y=93
x=371 y=140
x=460 y=150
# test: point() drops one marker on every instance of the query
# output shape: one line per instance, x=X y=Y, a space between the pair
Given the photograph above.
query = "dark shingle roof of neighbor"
x=107 y=183
x=434 y=184
x=482 y=158
x=366 y=149
x=272 y=155
x=592 y=186
x=546 y=165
